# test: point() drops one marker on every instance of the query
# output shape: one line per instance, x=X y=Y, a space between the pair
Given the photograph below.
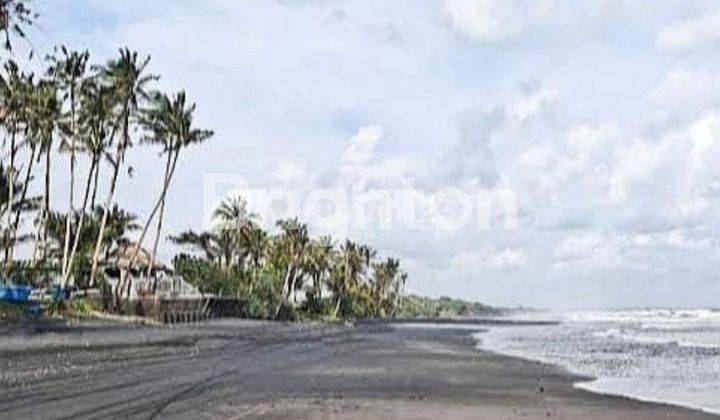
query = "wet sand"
x=245 y=369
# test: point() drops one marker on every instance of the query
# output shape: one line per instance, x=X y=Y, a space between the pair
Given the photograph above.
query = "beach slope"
x=241 y=369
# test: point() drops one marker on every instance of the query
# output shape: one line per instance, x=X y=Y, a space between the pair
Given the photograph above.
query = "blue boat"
x=15 y=294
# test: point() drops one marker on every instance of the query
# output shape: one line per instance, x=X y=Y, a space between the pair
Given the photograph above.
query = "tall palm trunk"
x=78 y=233
x=11 y=198
x=160 y=219
x=158 y=232
x=71 y=198
x=122 y=146
x=342 y=288
x=170 y=170
x=317 y=285
x=48 y=174
x=42 y=236
x=95 y=185
x=287 y=283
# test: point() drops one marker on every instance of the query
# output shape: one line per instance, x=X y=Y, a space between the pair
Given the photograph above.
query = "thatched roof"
x=123 y=255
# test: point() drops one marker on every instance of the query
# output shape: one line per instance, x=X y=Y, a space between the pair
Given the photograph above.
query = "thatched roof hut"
x=121 y=258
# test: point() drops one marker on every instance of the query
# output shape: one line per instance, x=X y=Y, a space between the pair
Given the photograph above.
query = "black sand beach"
x=243 y=369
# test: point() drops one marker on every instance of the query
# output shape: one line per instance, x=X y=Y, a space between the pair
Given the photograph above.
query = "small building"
x=127 y=268
x=121 y=259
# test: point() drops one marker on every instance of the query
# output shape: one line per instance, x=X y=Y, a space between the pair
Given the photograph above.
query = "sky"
x=600 y=118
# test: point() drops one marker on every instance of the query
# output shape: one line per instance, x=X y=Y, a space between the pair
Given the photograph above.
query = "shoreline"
x=580 y=385
x=256 y=369
x=581 y=380
x=584 y=381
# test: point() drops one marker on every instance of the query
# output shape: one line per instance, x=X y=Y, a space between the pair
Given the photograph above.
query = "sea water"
x=660 y=355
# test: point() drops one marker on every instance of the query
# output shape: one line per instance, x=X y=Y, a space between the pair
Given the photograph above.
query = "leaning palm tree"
x=169 y=122
x=68 y=69
x=127 y=79
x=95 y=126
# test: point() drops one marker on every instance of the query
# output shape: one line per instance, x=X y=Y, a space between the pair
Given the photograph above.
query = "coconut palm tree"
x=119 y=224
x=169 y=122
x=321 y=255
x=349 y=272
x=68 y=69
x=95 y=125
x=386 y=282
x=35 y=101
x=127 y=79
x=49 y=114
x=203 y=242
x=289 y=253
x=234 y=219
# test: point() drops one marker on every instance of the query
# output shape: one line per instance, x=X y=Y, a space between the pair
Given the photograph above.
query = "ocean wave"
x=663 y=355
x=707 y=339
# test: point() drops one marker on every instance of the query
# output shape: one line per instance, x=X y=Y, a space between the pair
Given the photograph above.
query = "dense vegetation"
x=289 y=272
x=88 y=116
x=84 y=118
x=412 y=306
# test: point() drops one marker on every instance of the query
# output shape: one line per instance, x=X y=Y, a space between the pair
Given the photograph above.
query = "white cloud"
x=363 y=144
x=685 y=93
x=289 y=172
x=536 y=100
x=490 y=257
x=492 y=21
x=590 y=251
x=690 y=34
x=685 y=87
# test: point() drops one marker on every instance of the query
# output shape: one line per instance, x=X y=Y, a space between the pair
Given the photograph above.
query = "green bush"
x=81 y=308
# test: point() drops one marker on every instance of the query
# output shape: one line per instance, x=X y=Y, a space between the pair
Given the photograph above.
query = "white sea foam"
x=665 y=355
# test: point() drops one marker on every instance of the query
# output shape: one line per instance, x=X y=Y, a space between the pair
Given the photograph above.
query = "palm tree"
x=170 y=123
x=95 y=125
x=68 y=70
x=119 y=224
x=349 y=272
x=35 y=102
x=320 y=260
x=49 y=114
x=386 y=284
x=127 y=80
x=203 y=242
x=290 y=250
x=235 y=220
